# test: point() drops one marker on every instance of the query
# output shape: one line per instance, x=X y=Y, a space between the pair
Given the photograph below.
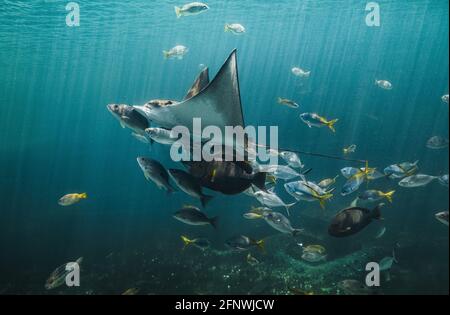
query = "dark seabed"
x=57 y=137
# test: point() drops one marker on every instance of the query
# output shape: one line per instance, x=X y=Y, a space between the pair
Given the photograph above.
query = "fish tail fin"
x=259 y=181
x=389 y=195
x=331 y=124
x=83 y=196
x=214 y=222
x=336 y=177
x=226 y=28
x=170 y=190
x=186 y=241
x=322 y=204
x=376 y=213
x=166 y=54
x=178 y=12
x=261 y=245
x=297 y=232
x=205 y=199
x=394 y=257
x=288 y=207
x=324 y=198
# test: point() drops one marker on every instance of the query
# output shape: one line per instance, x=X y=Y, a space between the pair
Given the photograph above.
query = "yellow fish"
x=71 y=199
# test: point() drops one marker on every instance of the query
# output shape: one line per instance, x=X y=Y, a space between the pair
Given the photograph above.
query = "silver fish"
x=235 y=28
x=177 y=52
x=384 y=84
x=280 y=171
x=292 y=159
x=298 y=72
x=437 y=143
x=193 y=8
x=280 y=223
x=387 y=262
x=161 y=135
x=417 y=180
x=270 y=199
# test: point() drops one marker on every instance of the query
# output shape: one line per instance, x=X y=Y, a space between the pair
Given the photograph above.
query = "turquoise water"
x=57 y=137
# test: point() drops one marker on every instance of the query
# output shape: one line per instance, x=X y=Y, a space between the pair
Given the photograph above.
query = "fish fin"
x=307 y=171
x=389 y=195
x=289 y=206
x=83 y=196
x=205 y=199
x=170 y=189
x=354 y=202
x=178 y=12
x=259 y=180
x=335 y=178
x=324 y=198
x=261 y=245
x=186 y=241
x=214 y=222
x=331 y=123
x=297 y=232
x=226 y=28
x=376 y=213
x=166 y=54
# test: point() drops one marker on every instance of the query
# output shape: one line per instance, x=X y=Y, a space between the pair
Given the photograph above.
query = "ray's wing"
x=218 y=104
x=200 y=83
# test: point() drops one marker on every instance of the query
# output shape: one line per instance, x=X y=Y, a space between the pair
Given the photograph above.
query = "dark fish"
x=193 y=216
x=229 y=178
x=242 y=243
x=352 y=220
x=190 y=185
x=155 y=171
